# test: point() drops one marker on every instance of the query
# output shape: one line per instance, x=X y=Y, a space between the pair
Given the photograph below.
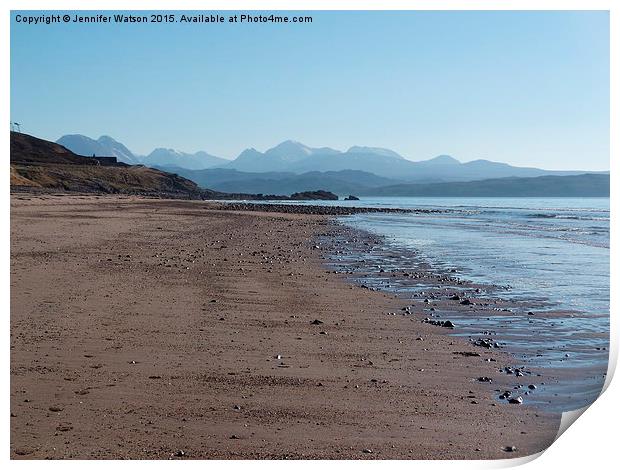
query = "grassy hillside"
x=105 y=179
x=41 y=164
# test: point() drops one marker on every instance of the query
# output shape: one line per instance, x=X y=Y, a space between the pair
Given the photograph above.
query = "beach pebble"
x=445 y=324
x=316 y=322
x=516 y=400
x=486 y=343
x=509 y=449
x=367 y=451
x=532 y=387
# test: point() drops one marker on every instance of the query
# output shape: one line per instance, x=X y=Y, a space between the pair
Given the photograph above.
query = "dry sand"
x=152 y=329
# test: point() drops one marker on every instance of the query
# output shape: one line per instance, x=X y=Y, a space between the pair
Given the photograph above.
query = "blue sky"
x=526 y=88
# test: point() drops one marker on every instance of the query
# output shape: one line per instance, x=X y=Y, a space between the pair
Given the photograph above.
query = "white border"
x=590 y=444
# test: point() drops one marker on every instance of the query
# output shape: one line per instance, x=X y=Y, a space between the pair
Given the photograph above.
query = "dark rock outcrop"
x=319 y=195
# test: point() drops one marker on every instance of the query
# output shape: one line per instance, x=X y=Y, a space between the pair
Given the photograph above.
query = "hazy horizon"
x=525 y=88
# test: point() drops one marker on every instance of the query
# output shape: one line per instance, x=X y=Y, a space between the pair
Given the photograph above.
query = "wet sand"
x=154 y=329
x=539 y=367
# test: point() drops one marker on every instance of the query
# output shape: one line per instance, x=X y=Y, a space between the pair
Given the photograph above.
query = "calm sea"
x=554 y=248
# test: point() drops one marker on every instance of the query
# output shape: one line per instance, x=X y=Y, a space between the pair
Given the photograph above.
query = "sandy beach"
x=157 y=329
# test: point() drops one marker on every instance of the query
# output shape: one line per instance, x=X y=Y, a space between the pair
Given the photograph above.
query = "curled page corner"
x=568 y=418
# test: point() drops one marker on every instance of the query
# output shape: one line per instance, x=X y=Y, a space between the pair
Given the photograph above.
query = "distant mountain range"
x=292 y=167
x=193 y=161
x=298 y=158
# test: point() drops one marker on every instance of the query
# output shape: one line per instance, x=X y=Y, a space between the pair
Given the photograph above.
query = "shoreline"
x=492 y=315
x=291 y=206
x=190 y=335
